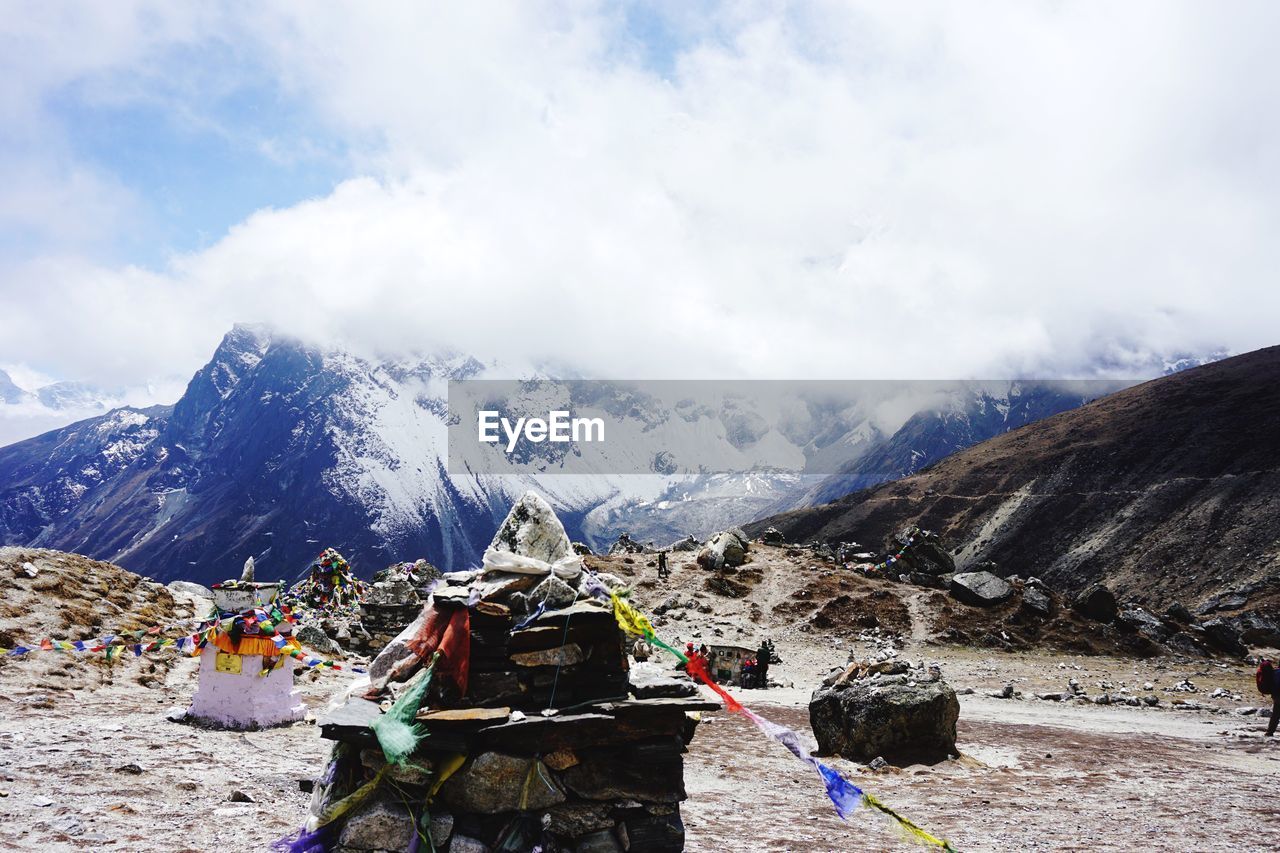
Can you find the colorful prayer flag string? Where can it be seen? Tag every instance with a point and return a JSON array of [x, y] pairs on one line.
[[844, 795]]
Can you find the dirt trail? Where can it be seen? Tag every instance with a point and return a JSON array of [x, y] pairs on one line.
[[1019, 787]]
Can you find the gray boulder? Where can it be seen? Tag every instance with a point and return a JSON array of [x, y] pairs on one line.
[[980, 589], [194, 590], [378, 826], [313, 638], [688, 543], [493, 782], [532, 529], [1222, 636], [727, 548], [865, 718], [556, 593], [1256, 629], [930, 557], [1037, 600], [1097, 603], [1144, 622]]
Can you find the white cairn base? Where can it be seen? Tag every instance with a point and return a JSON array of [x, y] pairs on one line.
[[245, 700]]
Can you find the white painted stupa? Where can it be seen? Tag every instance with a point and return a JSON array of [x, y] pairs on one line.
[[234, 691]]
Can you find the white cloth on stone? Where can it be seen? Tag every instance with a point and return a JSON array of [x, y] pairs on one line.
[[568, 567]]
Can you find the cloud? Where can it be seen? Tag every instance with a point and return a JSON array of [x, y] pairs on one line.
[[837, 191]]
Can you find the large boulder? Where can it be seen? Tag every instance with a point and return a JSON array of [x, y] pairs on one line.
[[773, 536], [980, 589], [314, 638], [193, 590], [1257, 629], [922, 551], [1097, 603], [929, 557], [1037, 600], [888, 716], [727, 548], [532, 529], [1142, 621], [1222, 636]]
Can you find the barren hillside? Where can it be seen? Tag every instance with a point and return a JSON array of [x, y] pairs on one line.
[[1166, 491]]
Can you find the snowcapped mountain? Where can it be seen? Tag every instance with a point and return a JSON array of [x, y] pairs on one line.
[[25, 413], [970, 414], [278, 449], [9, 392]]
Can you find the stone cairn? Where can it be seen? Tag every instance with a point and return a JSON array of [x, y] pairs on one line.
[[391, 602], [530, 733]]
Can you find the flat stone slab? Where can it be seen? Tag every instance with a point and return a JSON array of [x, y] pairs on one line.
[[481, 716], [621, 707], [351, 721]]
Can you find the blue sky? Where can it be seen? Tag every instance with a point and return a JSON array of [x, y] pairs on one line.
[[204, 135], [198, 158], [1028, 188]]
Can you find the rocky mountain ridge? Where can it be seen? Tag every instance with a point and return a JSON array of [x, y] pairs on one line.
[[1165, 491], [278, 449]]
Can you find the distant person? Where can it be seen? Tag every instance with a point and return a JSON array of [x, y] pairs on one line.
[[764, 656], [640, 650], [1269, 685], [663, 571], [748, 678]]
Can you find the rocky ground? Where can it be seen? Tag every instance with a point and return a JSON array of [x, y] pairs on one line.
[[88, 760]]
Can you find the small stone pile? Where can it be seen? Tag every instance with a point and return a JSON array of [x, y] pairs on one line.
[[391, 602], [534, 737]]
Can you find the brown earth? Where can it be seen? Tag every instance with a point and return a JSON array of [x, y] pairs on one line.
[[94, 765], [788, 593]]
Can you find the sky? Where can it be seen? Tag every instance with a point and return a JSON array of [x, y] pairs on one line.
[[640, 190]]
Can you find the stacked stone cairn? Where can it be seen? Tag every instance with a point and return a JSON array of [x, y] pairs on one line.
[[530, 733], [391, 602]]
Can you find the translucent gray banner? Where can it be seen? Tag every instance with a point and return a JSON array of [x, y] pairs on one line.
[[680, 428]]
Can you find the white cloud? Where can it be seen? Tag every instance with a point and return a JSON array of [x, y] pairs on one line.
[[865, 190]]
